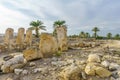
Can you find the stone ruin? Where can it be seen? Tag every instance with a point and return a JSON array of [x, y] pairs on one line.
[[28, 38], [8, 35], [20, 38], [8, 38], [48, 45], [62, 38]]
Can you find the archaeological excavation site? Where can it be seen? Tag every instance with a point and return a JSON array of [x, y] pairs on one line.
[[56, 56], [59, 39]]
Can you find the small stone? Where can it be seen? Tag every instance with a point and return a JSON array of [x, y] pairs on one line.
[[9, 79], [83, 75], [54, 63], [93, 58], [102, 72], [70, 61], [38, 70], [54, 59], [105, 63], [112, 78], [115, 75], [25, 72], [118, 73], [71, 72], [6, 58], [32, 64], [117, 79], [90, 69], [18, 71], [83, 61], [114, 66]]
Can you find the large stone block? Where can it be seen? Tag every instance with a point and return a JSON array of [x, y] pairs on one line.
[[93, 58], [17, 62], [102, 72], [62, 38], [8, 35], [20, 36], [28, 38], [70, 73], [48, 45], [31, 54]]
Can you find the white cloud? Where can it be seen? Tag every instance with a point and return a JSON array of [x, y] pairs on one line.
[[79, 14]]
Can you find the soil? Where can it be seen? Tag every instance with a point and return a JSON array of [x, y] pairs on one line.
[[51, 67]]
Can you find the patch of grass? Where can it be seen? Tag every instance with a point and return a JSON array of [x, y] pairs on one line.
[[58, 53]]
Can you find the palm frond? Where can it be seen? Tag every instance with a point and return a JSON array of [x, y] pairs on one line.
[[42, 27]]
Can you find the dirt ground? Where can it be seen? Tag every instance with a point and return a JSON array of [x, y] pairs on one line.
[[50, 67]]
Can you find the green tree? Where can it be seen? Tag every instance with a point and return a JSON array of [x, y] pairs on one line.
[[87, 35], [82, 34], [117, 36], [37, 25], [95, 30], [109, 35], [58, 23]]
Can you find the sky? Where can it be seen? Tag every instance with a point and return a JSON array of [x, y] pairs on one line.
[[80, 15]]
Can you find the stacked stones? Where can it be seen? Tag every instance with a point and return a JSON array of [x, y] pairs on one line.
[[93, 67]]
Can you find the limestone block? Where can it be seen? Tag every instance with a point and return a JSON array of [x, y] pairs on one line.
[[48, 45]]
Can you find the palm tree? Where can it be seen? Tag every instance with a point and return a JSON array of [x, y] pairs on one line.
[[95, 30], [117, 36], [87, 35], [59, 23], [37, 25], [109, 35], [82, 34]]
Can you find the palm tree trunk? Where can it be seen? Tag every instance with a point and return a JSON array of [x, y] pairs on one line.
[[37, 32], [95, 35]]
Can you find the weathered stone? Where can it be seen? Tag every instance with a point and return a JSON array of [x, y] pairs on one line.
[[8, 35], [70, 73], [84, 76], [15, 66], [13, 63], [18, 71], [28, 38], [102, 72], [42, 70], [1, 62], [8, 39], [2, 47], [93, 58], [48, 45], [105, 64], [90, 68], [31, 54], [62, 38], [114, 66], [9, 79], [25, 72], [118, 73], [20, 38], [32, 64]]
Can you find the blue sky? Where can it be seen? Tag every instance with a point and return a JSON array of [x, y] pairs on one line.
[[80, 15]]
